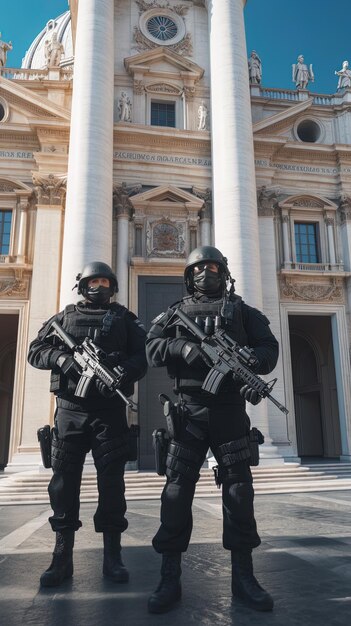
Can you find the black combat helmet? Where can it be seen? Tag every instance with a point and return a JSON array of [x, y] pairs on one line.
[[96, 269], [201, 255]]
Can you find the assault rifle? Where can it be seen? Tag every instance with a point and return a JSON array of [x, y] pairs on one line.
[[91, 362], [227, 358]]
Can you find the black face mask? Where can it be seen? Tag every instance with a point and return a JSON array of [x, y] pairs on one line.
[[208, 282], [98, 295]]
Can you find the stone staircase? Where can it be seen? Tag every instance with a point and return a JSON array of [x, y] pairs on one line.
[[30, 487]]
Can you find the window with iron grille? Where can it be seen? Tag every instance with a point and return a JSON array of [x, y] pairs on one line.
[[163, 114], [306, 242], [5, 231]]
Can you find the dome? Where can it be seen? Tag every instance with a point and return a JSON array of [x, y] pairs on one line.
[[35, 58]]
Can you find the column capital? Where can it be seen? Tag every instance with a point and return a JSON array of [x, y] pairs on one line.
[[49, 189]]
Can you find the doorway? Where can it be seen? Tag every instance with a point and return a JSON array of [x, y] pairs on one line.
[[314, 384], [156, 294], [8, 347]]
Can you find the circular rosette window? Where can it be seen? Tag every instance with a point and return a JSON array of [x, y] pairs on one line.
[[162, 26]]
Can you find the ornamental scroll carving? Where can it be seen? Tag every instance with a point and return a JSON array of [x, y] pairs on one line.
[[308, 203], [332, 291], [49, 189], [180, 9], [184, 47], [7, 186], [163, 88], [165, 238]]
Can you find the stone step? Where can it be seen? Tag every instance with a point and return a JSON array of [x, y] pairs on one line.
[[31, 486]]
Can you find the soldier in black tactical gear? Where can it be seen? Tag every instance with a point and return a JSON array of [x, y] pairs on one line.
[[97, 422], [219, 422]]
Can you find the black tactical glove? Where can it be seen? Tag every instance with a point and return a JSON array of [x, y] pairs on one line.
[[194, 356], [103, 389], [250, 395], [67, 366]]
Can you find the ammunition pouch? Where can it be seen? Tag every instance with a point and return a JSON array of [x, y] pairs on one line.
[[184, 462], [66, 456], [235, 452], [44, 435], [160, 444]]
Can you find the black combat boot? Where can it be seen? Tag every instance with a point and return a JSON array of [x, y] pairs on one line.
[[113, 567], [244, 584], [62, 564], [169, 590]]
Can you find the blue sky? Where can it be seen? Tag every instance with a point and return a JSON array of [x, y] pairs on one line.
[[279, 30]]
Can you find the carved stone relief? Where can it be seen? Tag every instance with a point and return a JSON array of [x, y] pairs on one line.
[[267, 200], [184, 46], [180, 9], [345, 209], [138, 87], [165, 238], [13, 287], [308, 203], [293, 288], [122, 205], [7, 186]]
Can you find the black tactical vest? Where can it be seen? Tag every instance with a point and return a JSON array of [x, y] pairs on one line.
[[189, 379]]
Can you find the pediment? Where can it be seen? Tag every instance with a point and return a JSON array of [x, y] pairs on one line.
[[160, 60], [165, 194], [274, 124], [27, 105], [306, 201], [12, 185]]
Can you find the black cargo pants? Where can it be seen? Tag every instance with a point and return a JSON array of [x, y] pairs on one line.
[[221, 420], [75, 434]]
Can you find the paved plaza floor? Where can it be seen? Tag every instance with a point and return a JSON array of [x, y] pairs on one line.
[[304, 561]]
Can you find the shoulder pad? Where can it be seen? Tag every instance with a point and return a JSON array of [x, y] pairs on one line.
[[70, 308], [260, 316], [135, 319], [162, 317]]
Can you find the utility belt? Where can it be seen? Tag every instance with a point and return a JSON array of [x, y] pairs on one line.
[[46, 437], [228, 454]]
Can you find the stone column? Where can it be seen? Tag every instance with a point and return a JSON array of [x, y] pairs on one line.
[[38, 402], [234, 187], [205, 215], [22, 206], [329, 221], [286, 246], [88, 219], [122, 208]]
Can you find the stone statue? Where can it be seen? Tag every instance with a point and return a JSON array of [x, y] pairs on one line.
[[301, 74], [344, 76], [4, 48], [202, 114], [255, 68], [125, 108], [53, 51]]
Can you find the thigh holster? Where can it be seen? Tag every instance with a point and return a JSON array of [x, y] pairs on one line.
[[114, 450], [66, 456], [233, 462], [183, 461]]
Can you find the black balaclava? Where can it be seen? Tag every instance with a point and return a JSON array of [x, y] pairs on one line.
[[98, 295], [208, 282]]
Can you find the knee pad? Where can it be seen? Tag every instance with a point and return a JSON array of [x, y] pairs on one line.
[[114, 450], [183, 462], [66, 456]]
